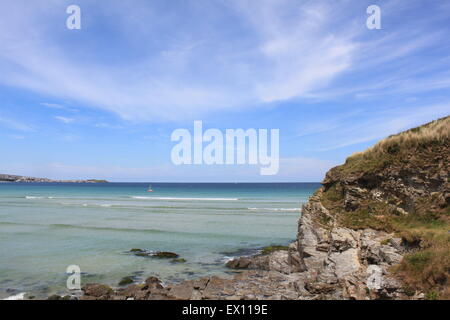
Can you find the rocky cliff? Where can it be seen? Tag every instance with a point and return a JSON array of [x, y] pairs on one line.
[[378, 228]]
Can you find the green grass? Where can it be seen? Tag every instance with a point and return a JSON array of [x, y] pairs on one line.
[[270, 249]]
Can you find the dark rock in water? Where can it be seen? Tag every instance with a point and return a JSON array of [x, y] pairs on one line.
[[240, 263], [178, 260], [142, 254], [125, 281], [139, 252], [165, 255], [97, 290], [157, 254]]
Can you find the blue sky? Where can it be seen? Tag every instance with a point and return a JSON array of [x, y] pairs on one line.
[[102, 101]]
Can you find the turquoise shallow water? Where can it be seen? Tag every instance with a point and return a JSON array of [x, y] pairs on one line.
[[46, 227]]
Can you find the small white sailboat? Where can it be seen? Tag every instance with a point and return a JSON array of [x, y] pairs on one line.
[[150, 188]]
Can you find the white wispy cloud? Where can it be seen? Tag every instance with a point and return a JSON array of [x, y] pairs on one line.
[[349, 131], [58, 106], [108, 125], [16, 125], [293, 50], [285, 50], [65, 120]]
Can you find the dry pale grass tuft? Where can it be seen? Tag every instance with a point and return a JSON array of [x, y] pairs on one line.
[[437, 131]]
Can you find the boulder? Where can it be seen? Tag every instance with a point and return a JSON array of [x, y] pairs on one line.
[[390, 255], [343, 239], [375, 279], [97, 290], [126, 281], [239, 263], [134, 290], [181, 291], [165, 255], [345, 263], [217, 288]]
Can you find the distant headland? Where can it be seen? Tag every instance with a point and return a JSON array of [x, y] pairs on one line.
[[15, 178]]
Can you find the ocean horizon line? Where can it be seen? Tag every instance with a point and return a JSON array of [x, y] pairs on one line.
[[167, 182]]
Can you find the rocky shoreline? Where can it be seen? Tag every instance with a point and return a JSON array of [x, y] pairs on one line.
[[322, 264], [336, 263]]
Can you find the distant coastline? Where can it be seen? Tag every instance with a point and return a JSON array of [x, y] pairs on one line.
[[16, 178]]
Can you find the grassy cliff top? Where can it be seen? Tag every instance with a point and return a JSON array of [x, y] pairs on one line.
[[427, 140], [435, 132]]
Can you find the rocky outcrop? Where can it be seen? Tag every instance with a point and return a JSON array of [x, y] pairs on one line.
[[283, 261], [248, 285], [334, 262], [342, 263], [405, 187]]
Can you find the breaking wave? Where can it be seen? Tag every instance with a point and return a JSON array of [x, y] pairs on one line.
[[274, 209], [184, 199]]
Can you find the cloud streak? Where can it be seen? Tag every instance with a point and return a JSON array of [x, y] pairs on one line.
[[64, 120], [15, 125], [348, 130]]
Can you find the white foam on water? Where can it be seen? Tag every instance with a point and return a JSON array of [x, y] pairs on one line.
[[36, 197], [225, 259], [19, 296], [274, 209], [183, 199]]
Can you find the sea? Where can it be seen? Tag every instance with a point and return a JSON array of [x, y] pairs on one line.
[[47, 227]]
